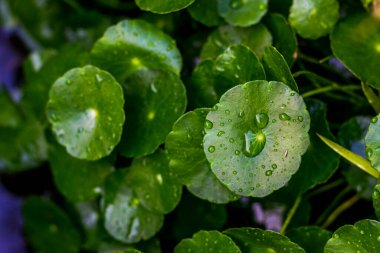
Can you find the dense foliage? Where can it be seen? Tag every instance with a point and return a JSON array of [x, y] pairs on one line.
[[186, 125]]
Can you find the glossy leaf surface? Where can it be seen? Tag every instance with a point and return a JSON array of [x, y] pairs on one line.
[[206, 12], [163, 6], [312, 239], [255, 137]]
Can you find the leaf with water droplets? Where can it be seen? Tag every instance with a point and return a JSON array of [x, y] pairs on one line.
[[207, 242], [163, 6], [48, 228], [206, 12], [242, 12], [79, 112], [188, 161], [276, 68], [155, 187], [256, 37], [311, 238], [140, 45], [364, 236], [78, 180], [355, 42], [282, 141], [125, 218], [372, 142], [258, 240], [156, 99], [314, 18]]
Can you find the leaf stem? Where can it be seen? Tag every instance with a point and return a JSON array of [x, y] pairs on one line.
[[329, 88], [291, 214], [372, 98], [326, 187], [357, 160], [340, 209]]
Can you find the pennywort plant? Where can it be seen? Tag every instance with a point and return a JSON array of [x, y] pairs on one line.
[[165, 123]]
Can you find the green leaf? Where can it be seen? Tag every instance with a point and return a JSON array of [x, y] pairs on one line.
[[372, 142], [188, 161], [284, 38], [163, 6], [48, 228], [36, 90], [355, 42], [242, 12], [155, 101], [207, 241], [351, 135], [85, 109], [314, 18], [318, 163], [257, 240], [312, 238], [276, 68], [357, 160], [132, 45], [10, 115], [125, 218], [206, 12], [78, 180], [376, 199], [154, 186], [255, 137], [257, 38], [363, 236], [236, 65]]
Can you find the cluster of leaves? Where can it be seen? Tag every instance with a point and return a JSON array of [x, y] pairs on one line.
[[201, 94]]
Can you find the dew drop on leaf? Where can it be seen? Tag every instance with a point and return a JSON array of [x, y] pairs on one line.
[[374, 120], [284, 116], [268, 173], [253, 143], [261, 120], [300, 118], [208, 124], [211, 149], [369, 152], [376, 194]]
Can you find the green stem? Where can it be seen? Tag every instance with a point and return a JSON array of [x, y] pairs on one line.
[[340, 209], [372, 98], [329, 88], [326, 187], [333, 205], [357, 160], [291, 214]]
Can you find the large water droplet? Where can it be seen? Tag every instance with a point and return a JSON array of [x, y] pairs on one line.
[[253, 143], [261, 120], [284, 116], [208, 124]]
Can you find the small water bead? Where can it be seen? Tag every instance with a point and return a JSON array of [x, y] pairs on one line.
[[262, 6], [234, 172], [221, 124], [336, 236], [268, 173], [374, 120], [274, 120], [292, 94], [220, 133], [237, 152], [375, 194], [274, 166], [378, 238], [261, 120], [369, 152], [300, 118], [214, 108], [241, 114], [68, 82], [227, 112], [208, 124], [231, 140], [284, 117], [211, 149]]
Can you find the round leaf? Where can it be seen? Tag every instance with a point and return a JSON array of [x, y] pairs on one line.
[[154, 186], [361, 237], [257, 240], [48, 228], [312, 239], [85, 109], [125, 218], [78, 180], [255, 137], [188, 161], [155, 101], [163, 6], [206, 12], [372, 142], [207, 241], [314, 18], [131, 45], [242, 12], [257, 38], [355, 42], [236, 65], [277, 69]]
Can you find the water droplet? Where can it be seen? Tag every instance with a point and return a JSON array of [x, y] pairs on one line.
[[274, 166], [362, 232], [153, 87], [150, 43], [99, 78], [284, 116], [369, 152], [220, 133], [261, 120], [234, 172], [274, 120], [292, 94], [189, 137], [378, 238], [262, 6], [374, 120], [231, 140], [236, 4], [253, 143], [53, 116], [214, 108], [375, 194], [300, 118], [241, 114], [237, 152], [336, 236], [208, 124], [227, 112], [68, 82], [211, 149], [268, 173], [221, 124]]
